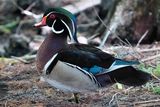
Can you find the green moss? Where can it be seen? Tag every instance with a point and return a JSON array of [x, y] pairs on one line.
[[156, 71], [145, 68], [156, 90]]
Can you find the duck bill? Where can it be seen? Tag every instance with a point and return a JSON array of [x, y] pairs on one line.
[[41, 23]]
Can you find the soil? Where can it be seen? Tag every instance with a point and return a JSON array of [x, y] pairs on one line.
[[24, 89], [20, 84]]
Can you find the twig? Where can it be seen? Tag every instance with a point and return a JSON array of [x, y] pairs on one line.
[[20, 59], [143, 36], [117, 102], [109, 29], [106, 36], [92, 37], [14, 3], [113, 97], [25, 58], [88, 24], [109, 32], [125, 91], [146, 103], [19, 27], [6, 104], [27, 12], [139, 51], [120, 39], [150, 58], [136, 53], [30, 6], [155, 76], [129, 44], [136, 48], [148, 50]]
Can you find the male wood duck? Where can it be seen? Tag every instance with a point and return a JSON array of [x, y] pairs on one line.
[[76, 67]]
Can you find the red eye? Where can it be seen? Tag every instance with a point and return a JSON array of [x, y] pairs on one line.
[[52, 16]]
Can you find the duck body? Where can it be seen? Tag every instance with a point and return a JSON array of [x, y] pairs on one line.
[[81, 68], [78, 67]]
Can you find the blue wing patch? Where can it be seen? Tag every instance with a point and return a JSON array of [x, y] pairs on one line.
[[115, 65], [121, 62], [95, 69]]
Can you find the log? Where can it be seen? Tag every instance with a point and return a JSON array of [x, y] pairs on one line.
[[73, 8], [81, 5]]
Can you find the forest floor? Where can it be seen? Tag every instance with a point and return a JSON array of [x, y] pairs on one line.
[[20, 86]]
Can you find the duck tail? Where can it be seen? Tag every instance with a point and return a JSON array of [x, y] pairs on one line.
[[123, 72], [129, 76]]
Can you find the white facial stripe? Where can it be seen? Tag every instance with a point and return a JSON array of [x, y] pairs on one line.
[[70, 33], [73, 26], [57, 32], [49, 62]]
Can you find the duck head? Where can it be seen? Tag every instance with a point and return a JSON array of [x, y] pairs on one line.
[[63, 25], [61, 22]]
